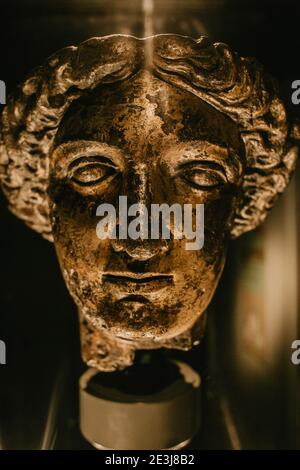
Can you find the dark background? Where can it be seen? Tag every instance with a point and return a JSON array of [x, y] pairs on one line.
[[38, 322]]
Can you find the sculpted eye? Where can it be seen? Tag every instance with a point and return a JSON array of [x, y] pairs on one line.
[[90, 171], [92, 174], [203, 177]]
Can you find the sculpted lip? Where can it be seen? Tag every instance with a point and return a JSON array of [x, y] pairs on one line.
[[138, 282], [140, 299]]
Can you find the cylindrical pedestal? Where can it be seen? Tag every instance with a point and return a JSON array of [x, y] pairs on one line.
[[139, 408]]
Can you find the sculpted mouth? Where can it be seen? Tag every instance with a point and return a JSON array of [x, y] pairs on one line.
[[147, 282], [138, 278], [140, 299]]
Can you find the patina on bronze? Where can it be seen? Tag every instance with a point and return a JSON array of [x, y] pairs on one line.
[[167, 119]]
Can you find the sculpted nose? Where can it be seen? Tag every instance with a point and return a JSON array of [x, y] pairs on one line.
[[138, 189], [140, 250]]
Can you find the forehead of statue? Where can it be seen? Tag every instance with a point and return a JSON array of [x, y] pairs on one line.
[[145, 110]]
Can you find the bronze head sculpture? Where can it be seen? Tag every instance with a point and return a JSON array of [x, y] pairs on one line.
[[165, 119]]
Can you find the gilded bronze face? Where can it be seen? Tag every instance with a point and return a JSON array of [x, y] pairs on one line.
[[157, 136], [156, 144]]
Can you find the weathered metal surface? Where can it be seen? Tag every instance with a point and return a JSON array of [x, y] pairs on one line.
[[177, 121]]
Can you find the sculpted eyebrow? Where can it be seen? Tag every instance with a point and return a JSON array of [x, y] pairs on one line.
[[91, 159], [208, 163]]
